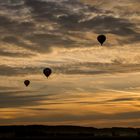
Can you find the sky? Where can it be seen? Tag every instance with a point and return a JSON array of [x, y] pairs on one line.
[[91, 85]]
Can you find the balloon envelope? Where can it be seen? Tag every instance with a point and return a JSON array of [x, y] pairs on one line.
[[47, 72], [101, 39], [26, 82]]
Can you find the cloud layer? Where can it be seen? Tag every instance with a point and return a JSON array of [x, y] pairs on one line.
[[61, 34]]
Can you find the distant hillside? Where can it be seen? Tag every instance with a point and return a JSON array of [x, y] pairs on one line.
[[43, 132]]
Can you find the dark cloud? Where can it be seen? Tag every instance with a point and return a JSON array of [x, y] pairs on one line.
[[7, 88], [15, 27], [86, 68], [12, 71], [126, 115], [110, 24], [39, 109], [43, 10], [116, 100], [16, 41], [70, 21], [102, 25], [12, 40], [6, 22], [46, 41], [15, 99], [14, 54], [89, 68], [63, 18], [102, 116], [94, 116], [122, 99], [29, 99]]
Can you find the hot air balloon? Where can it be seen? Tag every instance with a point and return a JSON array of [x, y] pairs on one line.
[[26, 82], [47, 72], [101, 39]]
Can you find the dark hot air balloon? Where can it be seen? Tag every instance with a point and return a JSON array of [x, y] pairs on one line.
[[26, 82], [47, 72], [101, 39]]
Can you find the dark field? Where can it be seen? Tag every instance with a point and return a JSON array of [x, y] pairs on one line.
[[66, 132]]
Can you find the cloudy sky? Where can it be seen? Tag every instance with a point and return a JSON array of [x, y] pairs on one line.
[[90, 85]]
